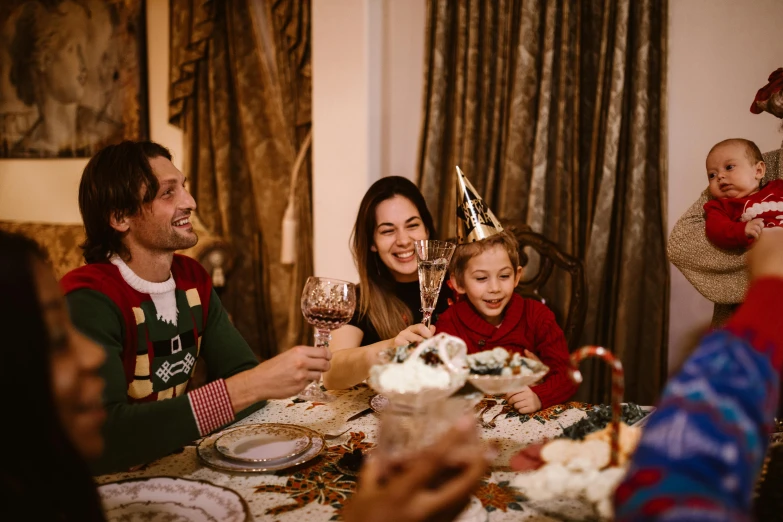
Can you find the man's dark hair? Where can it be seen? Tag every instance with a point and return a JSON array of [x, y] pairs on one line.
[[111, 186]]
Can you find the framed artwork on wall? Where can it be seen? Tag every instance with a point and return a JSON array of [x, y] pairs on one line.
[[73, 76]]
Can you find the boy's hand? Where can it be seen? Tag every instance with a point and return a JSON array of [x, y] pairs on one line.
[[754, 227], [524, 401]]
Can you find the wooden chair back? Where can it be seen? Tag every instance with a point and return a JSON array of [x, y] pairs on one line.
[[551, 257]]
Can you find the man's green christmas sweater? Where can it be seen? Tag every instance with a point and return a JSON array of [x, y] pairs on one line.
[[153, 333]]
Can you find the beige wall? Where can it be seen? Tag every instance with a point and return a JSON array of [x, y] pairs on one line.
[[346, 123], [720, 54], [158, 59], [402, 86], [47, 190], [368, 69]]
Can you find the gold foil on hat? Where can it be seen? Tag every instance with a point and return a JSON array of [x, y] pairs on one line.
[[475, 221]]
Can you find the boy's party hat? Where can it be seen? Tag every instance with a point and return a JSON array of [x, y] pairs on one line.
[[475, 221]]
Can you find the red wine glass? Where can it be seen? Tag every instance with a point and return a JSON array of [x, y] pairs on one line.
[[327, 304]]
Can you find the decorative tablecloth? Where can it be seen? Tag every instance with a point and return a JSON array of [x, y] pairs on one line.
[[316, 490]]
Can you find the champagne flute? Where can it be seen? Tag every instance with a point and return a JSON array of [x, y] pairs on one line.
[[327, 304], [433, 259]]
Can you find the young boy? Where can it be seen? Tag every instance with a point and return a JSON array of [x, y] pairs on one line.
[[491, 314], [741, 208]]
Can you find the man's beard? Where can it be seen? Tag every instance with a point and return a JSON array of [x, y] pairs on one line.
[[187, 242], [175, 241]]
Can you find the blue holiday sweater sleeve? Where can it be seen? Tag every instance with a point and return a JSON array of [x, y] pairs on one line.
[[701, 451]]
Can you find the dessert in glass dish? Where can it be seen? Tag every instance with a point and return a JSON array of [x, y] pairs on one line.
[[421, 375], [497, 371]]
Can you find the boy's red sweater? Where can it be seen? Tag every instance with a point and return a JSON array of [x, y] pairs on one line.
[[527, 324]]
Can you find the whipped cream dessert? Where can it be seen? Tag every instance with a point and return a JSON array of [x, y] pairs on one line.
[[499, 361], [437, 363], [580, 469], [414, 376], [556, 481], [435, 350]]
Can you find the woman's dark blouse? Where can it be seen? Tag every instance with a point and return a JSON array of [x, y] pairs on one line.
[[409, 294]]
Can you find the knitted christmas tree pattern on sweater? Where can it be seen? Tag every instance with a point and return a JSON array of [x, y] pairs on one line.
[[166, 353], [160, 344]]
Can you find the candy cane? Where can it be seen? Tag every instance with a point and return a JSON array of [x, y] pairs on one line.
[[618, 388]]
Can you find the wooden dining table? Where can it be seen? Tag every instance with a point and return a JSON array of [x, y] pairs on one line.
[[317, 490]]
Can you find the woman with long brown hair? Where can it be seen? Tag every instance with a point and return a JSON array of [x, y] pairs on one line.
[[392, 215]]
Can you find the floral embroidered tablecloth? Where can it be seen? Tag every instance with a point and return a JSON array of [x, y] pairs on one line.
[[316, 490]]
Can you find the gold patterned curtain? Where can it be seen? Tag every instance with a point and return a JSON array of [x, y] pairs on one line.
[[240, 90], [555, 110]]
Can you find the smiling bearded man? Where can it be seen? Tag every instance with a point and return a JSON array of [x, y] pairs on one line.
[[155, 312]]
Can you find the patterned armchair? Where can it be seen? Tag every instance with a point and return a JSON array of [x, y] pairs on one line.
[[62, 241]]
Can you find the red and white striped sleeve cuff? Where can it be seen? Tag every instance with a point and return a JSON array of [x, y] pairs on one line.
[[211, 406]]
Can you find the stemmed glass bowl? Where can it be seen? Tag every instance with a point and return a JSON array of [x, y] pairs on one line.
[[327, 304], [500, 385]]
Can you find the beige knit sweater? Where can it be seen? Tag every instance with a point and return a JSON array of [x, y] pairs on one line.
[[719, 275]]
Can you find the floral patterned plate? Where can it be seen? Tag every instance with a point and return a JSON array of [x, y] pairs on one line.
[[264, 442], [158, 499], [211, 457]]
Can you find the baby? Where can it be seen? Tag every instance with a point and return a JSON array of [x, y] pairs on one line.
[[741, 208]]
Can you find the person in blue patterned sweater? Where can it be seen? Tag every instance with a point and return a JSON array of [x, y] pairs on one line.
[[702, 450]]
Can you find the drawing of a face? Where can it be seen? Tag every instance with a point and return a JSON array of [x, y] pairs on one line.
[[61, 47], [66, 73]]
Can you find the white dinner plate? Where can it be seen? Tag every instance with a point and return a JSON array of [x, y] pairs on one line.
[[264, 442], [159, 499], [210, 456]]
